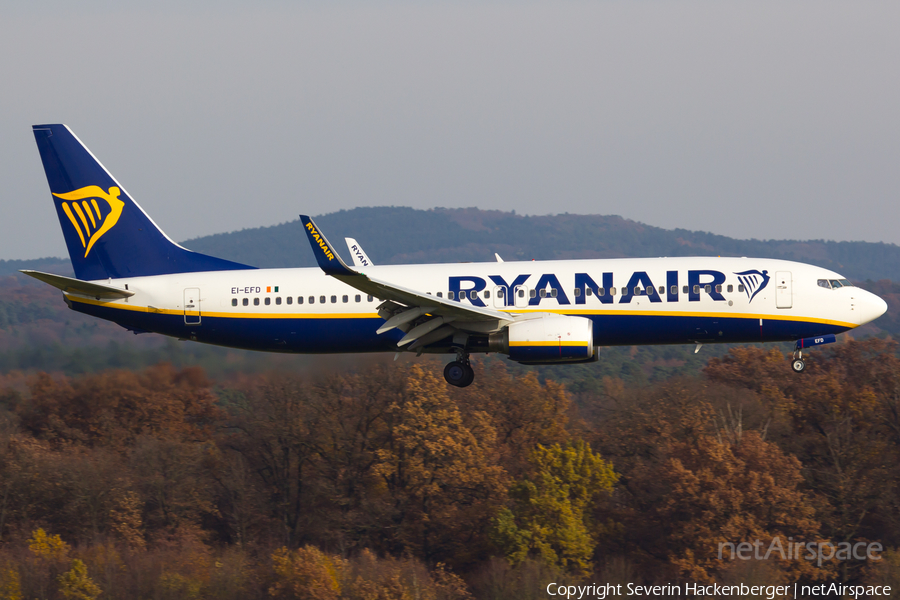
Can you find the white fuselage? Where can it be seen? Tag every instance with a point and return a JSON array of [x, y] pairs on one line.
[[630, 301]]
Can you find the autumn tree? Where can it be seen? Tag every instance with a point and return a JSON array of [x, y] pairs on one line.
[[524, 412], [269, 428], [439, 470], [549, 516], [842, 423], [696, 471], [114, 408]]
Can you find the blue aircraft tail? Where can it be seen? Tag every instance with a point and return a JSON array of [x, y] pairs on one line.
[[108, 235]]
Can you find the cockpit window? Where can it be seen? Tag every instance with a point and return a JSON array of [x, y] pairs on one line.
[[834, 283]]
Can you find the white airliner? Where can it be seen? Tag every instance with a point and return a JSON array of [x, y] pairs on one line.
[[539, 312]]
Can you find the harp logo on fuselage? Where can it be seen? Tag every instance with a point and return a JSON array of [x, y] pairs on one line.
[[90, 218], [754, 282]]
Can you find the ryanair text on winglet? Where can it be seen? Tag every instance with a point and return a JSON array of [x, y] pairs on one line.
[[322, 244]]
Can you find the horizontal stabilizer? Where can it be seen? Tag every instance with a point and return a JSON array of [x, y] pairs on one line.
[[77, 286]]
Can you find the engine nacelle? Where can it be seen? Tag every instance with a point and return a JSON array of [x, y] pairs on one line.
[[550, 338]]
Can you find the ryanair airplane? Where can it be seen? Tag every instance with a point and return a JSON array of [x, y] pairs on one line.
[[541, 312]]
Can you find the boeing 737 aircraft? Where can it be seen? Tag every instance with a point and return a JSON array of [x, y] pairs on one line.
[[541, 312]]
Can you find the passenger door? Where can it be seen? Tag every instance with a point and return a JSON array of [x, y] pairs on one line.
[[192, 306], [783, 293]]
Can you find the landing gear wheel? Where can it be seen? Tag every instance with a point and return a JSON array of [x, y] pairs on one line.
[[798, 365], [459, 374]]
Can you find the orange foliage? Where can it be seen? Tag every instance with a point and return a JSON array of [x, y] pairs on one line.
[[116, 407]]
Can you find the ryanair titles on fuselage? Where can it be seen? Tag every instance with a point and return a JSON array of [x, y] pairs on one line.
[[699, 281]]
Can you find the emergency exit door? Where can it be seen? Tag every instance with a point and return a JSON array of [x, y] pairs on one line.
[[522, 296], [192, 306], [783, 294]]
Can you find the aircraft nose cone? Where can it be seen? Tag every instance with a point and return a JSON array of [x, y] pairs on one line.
[[870, 308]]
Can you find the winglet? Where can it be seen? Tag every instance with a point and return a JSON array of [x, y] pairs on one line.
[[359, 256], [327, 257]]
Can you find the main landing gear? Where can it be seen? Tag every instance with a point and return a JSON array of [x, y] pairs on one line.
[[459, 372]]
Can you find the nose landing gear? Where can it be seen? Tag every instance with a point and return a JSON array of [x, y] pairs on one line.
[[797, 363], [459, 372]]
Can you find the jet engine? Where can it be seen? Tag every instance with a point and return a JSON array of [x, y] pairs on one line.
[[546, 339]]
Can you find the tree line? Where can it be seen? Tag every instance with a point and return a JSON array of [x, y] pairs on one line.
[[380, 482]]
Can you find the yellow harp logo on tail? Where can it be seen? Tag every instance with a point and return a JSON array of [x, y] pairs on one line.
[[86, 215]]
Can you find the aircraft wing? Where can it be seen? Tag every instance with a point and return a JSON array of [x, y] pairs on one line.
[[414, 303], [77, 286]]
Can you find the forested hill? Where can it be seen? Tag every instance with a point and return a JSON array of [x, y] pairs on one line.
[[396, 235]]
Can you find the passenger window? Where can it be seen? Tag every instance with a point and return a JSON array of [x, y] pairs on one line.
[[637, 291], [719, 289], [587, 292], [321, 299], [334, 299], [674, 290], [684, 290], [299, 299], [707, 288], [245, 302], [650, 291], [256, 302], [662, 290], [473, 294], [624, 291], [234, 301], [577, 292], [487, 294], [290, 299], [612, 291], [533, 293], [501, 293], [371, 298], [730, 288], [268, 301], [278, 300], [696, 289], [346, 299], [451, 295], [521, 293], [740, 287], [553, 292], [601, 291], [440, 294], [543, 293], [358, 298]]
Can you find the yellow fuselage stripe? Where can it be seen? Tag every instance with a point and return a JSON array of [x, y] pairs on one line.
[[372, 315], [556, 343]]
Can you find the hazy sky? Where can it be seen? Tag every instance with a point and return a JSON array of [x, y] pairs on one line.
[[750, 119]]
